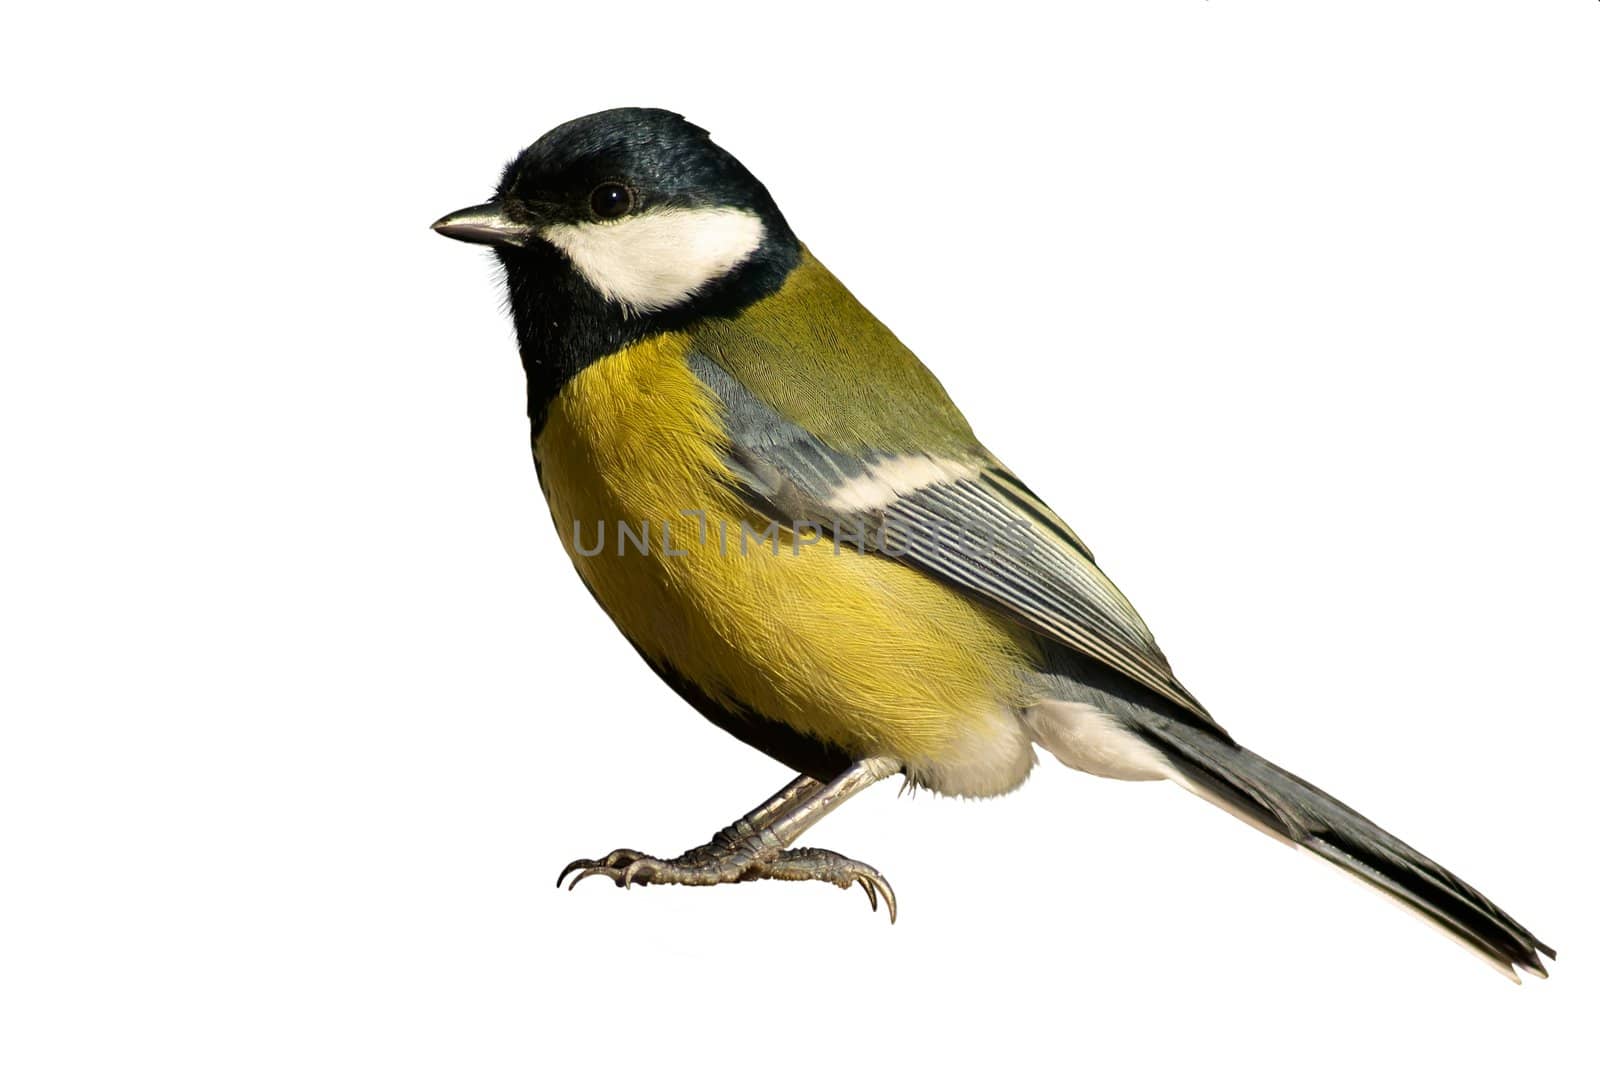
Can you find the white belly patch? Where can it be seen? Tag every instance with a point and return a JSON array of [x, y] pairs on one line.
[[1087, 739]]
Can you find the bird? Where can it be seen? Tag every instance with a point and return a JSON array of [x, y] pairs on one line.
[[784, 512]]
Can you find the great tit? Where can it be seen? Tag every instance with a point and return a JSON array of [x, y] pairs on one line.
[[782, 510]]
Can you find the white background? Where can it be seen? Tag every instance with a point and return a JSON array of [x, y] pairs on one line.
[[1290, 310]]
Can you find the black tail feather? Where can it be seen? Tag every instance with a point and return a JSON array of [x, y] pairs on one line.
[[1289, 807]]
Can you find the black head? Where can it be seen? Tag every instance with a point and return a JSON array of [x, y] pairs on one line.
[[619, 225]]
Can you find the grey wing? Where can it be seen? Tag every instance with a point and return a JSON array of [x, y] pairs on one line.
[[966, 520]]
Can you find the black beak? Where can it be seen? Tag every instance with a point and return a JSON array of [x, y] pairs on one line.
[[485, 224]]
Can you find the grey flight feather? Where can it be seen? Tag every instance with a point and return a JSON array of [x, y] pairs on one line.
[[1289, 807]]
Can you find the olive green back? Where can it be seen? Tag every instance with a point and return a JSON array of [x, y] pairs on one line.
[[826, 363]]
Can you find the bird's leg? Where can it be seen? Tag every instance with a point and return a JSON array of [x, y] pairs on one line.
[[754, 847], [750, 825]]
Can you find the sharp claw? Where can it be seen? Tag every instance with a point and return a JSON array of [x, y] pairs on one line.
[[888, 898], [630, 872], [872, 894], [614, 859], [591, 871], [569, 868]]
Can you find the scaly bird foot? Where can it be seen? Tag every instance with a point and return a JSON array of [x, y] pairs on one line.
[[721, 863], [820, 865]]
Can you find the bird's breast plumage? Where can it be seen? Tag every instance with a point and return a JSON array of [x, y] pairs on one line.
[[851, 648]]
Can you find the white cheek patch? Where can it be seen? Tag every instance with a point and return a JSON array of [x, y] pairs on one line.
[[660, 258]]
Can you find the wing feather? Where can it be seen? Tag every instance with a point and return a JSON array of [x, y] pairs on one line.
[[964, 519]]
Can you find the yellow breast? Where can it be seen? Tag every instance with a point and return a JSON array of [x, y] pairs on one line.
[[854, 649]]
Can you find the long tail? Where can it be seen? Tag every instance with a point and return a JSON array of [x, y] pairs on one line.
[[1265, 794]]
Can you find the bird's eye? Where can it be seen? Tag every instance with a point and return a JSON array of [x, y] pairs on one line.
[[611, 200]]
